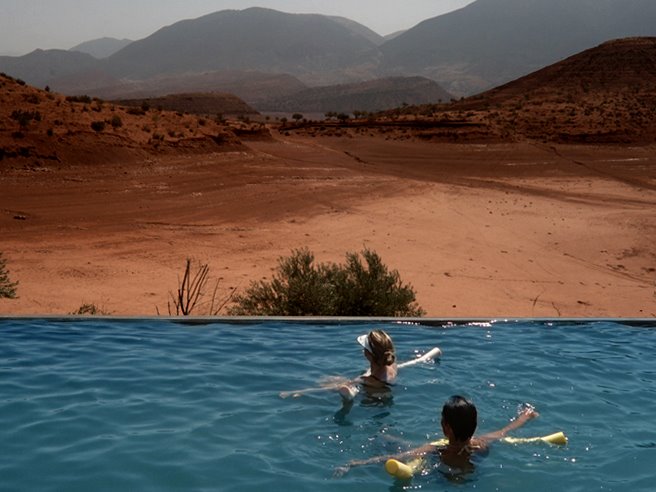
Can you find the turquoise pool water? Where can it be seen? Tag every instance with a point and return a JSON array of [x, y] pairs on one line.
[[107, 405]]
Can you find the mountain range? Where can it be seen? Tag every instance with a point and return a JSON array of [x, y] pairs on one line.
[[481, 46], [367, 96], [606, 94], [490, 42], [101, 48], [252, 39]]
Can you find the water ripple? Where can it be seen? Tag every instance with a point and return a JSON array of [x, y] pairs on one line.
[[156, 405]]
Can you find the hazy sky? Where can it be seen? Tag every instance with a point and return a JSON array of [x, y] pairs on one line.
[[29, 24]]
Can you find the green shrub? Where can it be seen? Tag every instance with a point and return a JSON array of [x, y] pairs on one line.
[[24, 117], [98, 126], [32, 99], [301, 288], [135, 111], [370, 289], [81, 99], [90, 309], [7, 287], [116, 121], [298, 289]]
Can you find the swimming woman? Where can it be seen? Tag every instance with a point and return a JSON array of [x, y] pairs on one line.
[[459, 421], [379, 351]]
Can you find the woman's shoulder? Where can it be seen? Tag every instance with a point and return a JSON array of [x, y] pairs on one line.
[[477, 445], [374, 381]]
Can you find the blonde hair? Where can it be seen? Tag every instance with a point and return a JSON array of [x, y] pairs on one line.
[[382, 348]]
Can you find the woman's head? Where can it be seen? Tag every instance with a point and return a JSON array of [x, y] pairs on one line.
[[380, 346], [461, 417]]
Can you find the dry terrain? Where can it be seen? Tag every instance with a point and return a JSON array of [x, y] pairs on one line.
[[498, 224], [479, 230]]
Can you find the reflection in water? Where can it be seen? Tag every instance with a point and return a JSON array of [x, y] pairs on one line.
[[342, 413], [435, 471], [369, 397], [455, 468]]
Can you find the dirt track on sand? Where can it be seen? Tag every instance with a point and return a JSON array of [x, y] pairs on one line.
[[504, 230]]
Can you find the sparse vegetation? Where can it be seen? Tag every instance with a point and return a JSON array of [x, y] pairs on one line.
[[25, 117], [32, 99], [97, 126], [116, 121], [190, 296], [136, 111], [80, 99], [7, 287], [302, 288], [90, 309]]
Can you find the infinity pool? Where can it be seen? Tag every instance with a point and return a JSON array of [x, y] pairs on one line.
[[155, 405]]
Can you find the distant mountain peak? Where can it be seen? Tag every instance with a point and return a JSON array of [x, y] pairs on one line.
[[102, 47], [490, 42], [371, 95], [251, 39], [482, 45]]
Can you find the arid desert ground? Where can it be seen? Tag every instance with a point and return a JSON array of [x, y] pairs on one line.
[[479, 230]]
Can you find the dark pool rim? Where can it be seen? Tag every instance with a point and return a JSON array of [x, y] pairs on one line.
[[330, 320]]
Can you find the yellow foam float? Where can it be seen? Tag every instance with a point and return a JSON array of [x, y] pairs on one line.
[[405, 471]]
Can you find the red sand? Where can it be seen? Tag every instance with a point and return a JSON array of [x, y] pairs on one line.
[[502, 230]]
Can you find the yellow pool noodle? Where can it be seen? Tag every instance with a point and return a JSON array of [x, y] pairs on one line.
[[405, 471], [556, 438]]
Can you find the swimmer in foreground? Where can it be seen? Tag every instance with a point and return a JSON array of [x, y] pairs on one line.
[[379, 351], [459, 421]]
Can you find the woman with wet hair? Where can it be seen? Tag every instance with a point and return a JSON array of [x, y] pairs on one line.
[[378, 379], [379, 350]]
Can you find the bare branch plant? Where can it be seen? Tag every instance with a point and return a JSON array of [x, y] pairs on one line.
[[191, 292]]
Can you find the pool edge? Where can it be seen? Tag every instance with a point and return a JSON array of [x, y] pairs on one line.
[[428, 321]]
